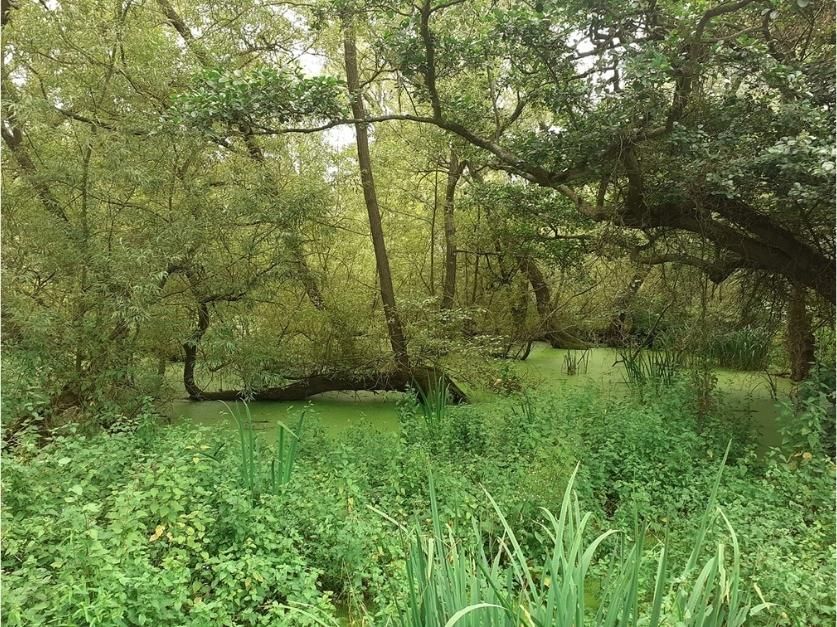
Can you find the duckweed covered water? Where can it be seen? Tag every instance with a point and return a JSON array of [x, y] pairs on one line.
[[746, 394], [335, 412]]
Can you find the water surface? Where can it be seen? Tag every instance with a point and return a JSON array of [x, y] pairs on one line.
[[746, 394]]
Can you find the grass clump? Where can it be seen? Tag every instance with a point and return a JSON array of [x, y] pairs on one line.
[[747, 348], [261, 470], [645, 367], [449, 585], [576, 362]]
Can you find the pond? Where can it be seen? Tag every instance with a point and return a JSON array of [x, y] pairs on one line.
[[336, 411], [746, 394]]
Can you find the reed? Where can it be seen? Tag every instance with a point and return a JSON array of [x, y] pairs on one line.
[[434, 403], [260, 470], [743, 349], [644, 367], [576, 362], [450, 586]]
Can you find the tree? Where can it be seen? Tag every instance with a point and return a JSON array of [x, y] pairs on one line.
[[455, 169], [652, 134], [396, 332]]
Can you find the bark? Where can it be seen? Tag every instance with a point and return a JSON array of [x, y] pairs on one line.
[[432, 288], [523, 353], [519, 312], [455, 169], [617, 331], [800, 336], [547, 310], [396, 332], [306, 277], [301, 389], [190, 353]]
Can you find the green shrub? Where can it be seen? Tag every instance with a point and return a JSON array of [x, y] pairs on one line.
[[105, 530]]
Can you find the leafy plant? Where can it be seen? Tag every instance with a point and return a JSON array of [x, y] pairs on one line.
[[256, 97]]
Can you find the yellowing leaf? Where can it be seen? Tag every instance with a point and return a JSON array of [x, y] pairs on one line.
[[158, 531]]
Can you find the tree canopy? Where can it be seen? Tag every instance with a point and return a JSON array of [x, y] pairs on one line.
[[179, 179]]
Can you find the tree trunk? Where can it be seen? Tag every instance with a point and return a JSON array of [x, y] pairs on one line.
[[800, 336], [306, 277], [301, 389], [190, 353], [432, 289], [549, 325], [519, 311], [617, 331], [454, 172], [396, 332]]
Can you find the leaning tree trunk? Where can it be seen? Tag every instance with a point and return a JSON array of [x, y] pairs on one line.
[[800, 337], [302, 388], [455, 168], [617, 330], [397, 338], [306, 387], [549, 325]]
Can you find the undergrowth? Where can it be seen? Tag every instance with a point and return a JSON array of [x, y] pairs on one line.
[[160, 526]]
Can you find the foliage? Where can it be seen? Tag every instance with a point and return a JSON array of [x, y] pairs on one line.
[[646, 367], [256, 99], [125, 535], [166, 511], [807, 420], [433, 403], [213, 205], [158, 208], [257, 475], [449, 586]]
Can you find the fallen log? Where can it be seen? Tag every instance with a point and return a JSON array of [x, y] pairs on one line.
[[398, 380], [302, 389]]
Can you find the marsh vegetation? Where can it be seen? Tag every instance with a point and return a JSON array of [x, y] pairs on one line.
[[446, 313]]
